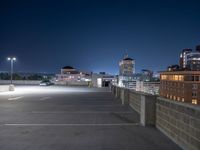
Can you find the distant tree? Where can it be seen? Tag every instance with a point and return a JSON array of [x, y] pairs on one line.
[[16, 77], [4, 76], [35, 77]]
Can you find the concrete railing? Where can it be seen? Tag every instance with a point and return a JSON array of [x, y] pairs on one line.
[[21, 82], [72, 83], [179, 121], [142, 103], [5, 88]]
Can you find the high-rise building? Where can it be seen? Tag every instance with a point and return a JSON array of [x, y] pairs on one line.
[[182, 60], [193, 61], [126, 66], [126, 71], [190, 60]]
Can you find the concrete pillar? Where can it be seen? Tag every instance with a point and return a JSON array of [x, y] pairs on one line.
[[148, 110], [11, 87]]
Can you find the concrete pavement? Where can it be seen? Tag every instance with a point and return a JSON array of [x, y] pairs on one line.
[[72, 118]]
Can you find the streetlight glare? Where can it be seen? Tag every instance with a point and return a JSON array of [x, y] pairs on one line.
[[8, 58], [14, 58]]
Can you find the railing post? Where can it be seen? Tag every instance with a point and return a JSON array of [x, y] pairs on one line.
[[148, 110]]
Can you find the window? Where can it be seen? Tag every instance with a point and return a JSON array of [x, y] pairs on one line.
[[174, 97], [180, 78], [192, 78], [163, 77], [194, 93], [176, 77], [194, 86], [194, 101], [196, 78], [178, 98], [183, 100]]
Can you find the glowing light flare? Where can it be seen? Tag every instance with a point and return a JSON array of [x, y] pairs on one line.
[[34, 90]]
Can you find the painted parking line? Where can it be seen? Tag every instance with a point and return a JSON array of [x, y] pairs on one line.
[[87, 124], [15, 98], [44, 98]]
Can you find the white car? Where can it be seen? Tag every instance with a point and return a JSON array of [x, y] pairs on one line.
[[45, 83]]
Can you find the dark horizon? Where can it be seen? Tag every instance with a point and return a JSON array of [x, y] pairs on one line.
[[94, 35]]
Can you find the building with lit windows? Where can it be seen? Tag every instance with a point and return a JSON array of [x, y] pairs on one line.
[[126, 71], [126, 66], [190, 60], [182, 60], [182, 86], [71, 76]]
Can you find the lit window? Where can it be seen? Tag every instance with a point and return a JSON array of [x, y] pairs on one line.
[[174, 97], [176, 77], [163, 77], [194, 101], [180, 77], [183, 100], [178, 98]]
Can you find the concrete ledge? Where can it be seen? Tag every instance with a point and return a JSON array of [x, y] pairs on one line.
[[5, 88], [143, 103], [180, 122]]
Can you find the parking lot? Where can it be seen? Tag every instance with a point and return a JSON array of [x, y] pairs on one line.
[[72, 118]]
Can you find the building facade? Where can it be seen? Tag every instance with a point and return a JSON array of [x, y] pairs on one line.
[[71, 76], [126, 66], [193, 61], [190, 60], [183, 86], [126, 71], [182, 60], [102, 79]]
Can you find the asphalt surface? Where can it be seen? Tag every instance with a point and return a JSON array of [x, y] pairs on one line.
[[72, 118]]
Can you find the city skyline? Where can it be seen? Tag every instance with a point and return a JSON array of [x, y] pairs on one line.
[[94, 36]]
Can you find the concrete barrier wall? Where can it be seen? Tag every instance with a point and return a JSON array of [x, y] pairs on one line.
[[72, 83], [21, 82], [180, 122], [135, 101], [4, 88], [140, 102]]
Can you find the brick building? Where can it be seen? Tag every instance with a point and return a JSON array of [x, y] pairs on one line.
[[183, 86]]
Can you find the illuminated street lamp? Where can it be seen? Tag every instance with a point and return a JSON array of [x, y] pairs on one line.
[[11, 59]]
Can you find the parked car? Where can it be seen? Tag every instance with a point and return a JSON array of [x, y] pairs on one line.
[[46, 83]]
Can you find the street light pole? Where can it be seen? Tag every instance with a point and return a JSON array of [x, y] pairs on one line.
[[11, 59]]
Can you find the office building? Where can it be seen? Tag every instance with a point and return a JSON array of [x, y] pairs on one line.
[[182, 59], [190, 60], [126, 66], [183, 86], [71, 76]]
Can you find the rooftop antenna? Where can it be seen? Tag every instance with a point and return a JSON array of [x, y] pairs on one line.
[[126, 53]]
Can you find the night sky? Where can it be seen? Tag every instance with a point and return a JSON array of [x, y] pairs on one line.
[[94, 35]]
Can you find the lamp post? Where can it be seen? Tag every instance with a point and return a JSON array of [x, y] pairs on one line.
[[11, 59]]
